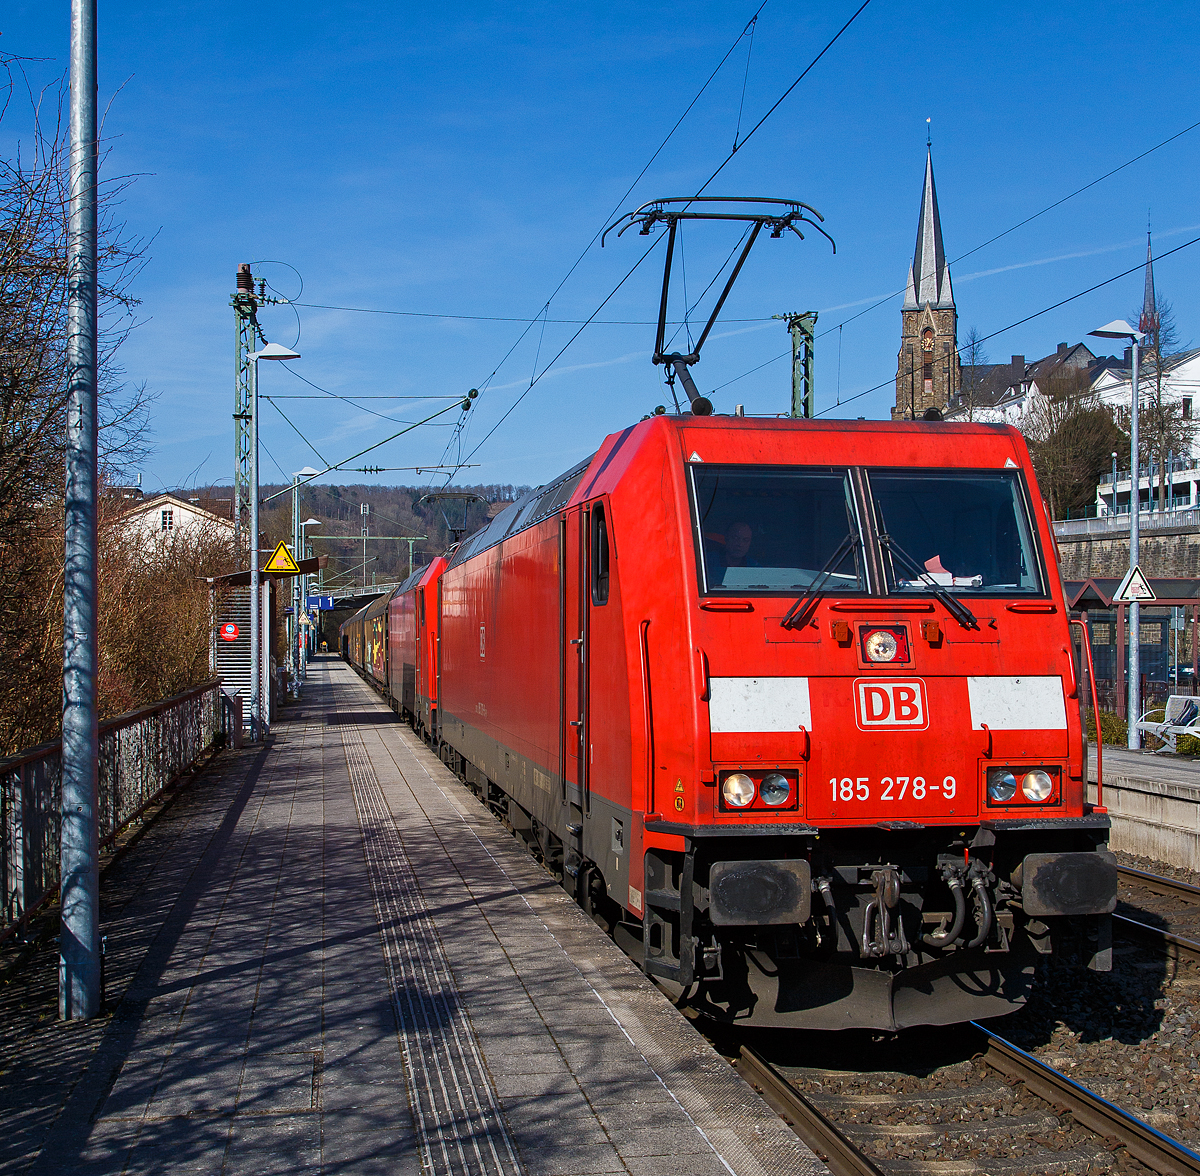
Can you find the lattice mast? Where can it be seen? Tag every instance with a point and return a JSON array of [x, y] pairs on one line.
[[246, 340]]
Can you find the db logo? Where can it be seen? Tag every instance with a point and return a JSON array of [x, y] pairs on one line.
[[882, 703], [229, 631]]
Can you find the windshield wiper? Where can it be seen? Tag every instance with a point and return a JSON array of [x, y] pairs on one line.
[[802, 611], [955, 607]]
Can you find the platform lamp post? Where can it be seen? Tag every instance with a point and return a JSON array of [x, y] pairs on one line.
[[304, 637], [79, 983], [1119, 329], [270, 351], [297, 580]]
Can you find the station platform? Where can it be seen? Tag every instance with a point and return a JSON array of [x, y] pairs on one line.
[[1154, 802], [330, 958]]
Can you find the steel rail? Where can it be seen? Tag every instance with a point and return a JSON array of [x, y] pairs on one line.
[[1157, 1151], [1170, 887], [821, 1134], [1175, 946]]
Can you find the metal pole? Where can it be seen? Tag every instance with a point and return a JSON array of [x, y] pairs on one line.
[[294, 626], [1135, 609], [304, 605], [256, 621], [801, 327], [79, 992]]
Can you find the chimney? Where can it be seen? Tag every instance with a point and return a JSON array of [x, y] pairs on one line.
[[1018, 370], [1063, 348], [1129, 357]]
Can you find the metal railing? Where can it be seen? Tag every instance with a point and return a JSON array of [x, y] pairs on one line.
[[1148, 521], [141, 753]]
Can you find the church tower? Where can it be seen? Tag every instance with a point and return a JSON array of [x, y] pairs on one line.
[[927, 369]]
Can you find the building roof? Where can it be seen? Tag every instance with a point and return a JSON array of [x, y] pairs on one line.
[[991, 385], [1097, 593], [171, 501], [929, 275]]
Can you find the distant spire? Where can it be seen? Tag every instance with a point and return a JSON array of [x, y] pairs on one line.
[[929, 275], [1148, 322]]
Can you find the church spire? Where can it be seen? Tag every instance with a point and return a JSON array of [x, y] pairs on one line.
[[1148, 322], [928, 373], [929, 275]]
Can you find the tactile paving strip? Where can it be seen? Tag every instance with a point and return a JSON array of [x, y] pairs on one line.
[[454, 1106]]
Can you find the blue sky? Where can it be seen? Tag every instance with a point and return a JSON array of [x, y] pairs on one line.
[[456, 160]]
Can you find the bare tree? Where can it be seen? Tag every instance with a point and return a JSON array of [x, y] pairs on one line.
[[1070, 434], [34, 207], [1162, 427], [973, 361]]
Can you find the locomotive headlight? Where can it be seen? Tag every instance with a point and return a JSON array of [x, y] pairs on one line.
[[1037, 784], [881, 646], [1002, 785], [738, 790], [775, 789]]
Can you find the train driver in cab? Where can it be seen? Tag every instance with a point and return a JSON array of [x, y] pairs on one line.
[[733, 553]]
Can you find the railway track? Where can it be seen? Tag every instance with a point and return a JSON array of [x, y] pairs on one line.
[[845, 1127], [1164, 938], [955, 1102]]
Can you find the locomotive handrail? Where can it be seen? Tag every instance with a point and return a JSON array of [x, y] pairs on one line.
[[1086, 646], [647, 715]]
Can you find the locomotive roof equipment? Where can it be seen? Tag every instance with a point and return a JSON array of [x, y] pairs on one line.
[[783, 219]]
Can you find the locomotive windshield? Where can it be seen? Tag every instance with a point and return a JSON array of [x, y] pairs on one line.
[[773, 530], [967, 532]]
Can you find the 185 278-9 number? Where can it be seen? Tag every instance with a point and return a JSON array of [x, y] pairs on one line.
[[849, 788]]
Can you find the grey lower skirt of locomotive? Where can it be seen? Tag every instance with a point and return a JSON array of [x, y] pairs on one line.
[[877, 928]]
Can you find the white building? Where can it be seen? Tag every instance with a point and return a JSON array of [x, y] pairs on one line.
[[164, 517]]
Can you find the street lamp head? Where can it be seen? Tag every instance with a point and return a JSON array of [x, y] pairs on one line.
[[307, 472], [1117, 329], [311, 523], [275, 351]]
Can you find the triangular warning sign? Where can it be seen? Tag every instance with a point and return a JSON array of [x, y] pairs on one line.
[[695, 456], [1135, 587], [281, 560]]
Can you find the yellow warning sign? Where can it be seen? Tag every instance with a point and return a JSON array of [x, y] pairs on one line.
[[281, 560]]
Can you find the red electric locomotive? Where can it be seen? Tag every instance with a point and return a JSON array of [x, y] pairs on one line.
[[412, 647], [792, 709]]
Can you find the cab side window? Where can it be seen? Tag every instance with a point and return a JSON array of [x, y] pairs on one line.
[[599, 555]]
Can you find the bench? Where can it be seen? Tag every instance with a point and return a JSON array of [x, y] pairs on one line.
[[1181, 716]]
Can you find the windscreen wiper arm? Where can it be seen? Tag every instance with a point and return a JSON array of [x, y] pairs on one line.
[[955, 607], [802, 611]]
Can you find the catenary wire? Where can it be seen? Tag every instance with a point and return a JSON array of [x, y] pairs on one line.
[[596, 236], [780, 100], [568, 343], [292, 426], [361, 452], [1029, 317], [737, 147], [1021, 223], [360, 407], [493, 318]]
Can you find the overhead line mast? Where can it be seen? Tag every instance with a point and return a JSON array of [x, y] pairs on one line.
[[248, 337]]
